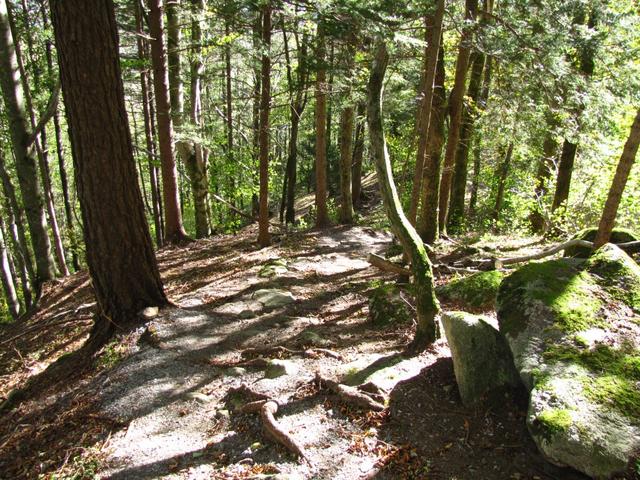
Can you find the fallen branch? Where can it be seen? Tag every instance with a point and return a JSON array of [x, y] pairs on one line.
[[497, 263], [267, 408], [387, 266], [234, 209], [630, 247], [350, 394], [279, 350]]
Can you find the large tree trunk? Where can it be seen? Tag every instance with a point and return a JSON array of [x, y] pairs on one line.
[[459, 185], [358, 156], [617, 186], [426, 302], [565, 171], [120, 256], [174, 229], [322, 215], [433, 26], [24, 151], [347, 116], [264, 237], [428, 220], [455, 109]]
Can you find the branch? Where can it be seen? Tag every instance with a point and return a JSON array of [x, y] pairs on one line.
[[387, 266], [52, 105]]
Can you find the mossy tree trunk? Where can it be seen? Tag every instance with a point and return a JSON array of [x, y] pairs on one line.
[[426, 303], [619, 182]]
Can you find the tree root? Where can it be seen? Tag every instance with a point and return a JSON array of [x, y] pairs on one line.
[[267, 408], [277, 352], [350, 394]]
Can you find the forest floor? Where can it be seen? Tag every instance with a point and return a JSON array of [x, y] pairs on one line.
[[160, 402]]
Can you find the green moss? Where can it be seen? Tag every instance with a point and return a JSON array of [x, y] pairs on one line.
[[386, 305], [616, 392], [618, 273], [555, 420], [478, 290], [559, 285]]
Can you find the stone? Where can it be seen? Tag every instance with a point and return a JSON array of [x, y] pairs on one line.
[[199, 397], [273, 297], [476, 291], [482, 361], [273, 268], [618, 235], [235, 371], [386, 306], [278, 368], [573, 329], [313, 339], [149, 313]]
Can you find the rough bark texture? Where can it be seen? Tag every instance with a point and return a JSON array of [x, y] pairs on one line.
[[8, 285], [322, 216], [503, 173], [346, 152], [619, 182], [455, 109], [358, 156], [174, 230], [120, 256], [24, 151], [428, 221], [433, 25], [565, 171], [426, 303], [264, 237]]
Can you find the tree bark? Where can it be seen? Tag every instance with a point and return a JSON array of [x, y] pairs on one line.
[[322, 215], [347, 117], [503, 173], [358, 155], [24, 151], [428, 220], [433, 22], [174, 229], [8, 285], [264, 237], [565, 171], [543, 174], [455, 108], [619, 182], [120, 256], [426, 302]]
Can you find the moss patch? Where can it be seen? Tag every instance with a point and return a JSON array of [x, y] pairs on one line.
[[618, 273], [554, 420], [478, 290], [559, 285], [386, 305], [618, 235]]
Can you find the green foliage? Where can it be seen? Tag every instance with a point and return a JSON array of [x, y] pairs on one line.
[[478, 290], [555, 420]]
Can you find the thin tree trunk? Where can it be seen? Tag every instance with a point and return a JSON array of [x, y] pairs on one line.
[[426, 302], [264, 237], [617, 186], [347, 118], [120, 256], [174, 229], [8, 284], [358, 155], [322, 215], [503, 174], [433, 26], [455, 108], [565, 171], [428, 220], [24, 151], [543, 174]]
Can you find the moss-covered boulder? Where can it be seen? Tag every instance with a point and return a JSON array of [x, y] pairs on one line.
[[618, 235], [482, 361], [387, 305], [572, 327], [273, 268], [477, 291]]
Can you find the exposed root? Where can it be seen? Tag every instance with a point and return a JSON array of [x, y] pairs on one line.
[[350, 394], [277, 352]]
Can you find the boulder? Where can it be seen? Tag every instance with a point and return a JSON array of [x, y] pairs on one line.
[[618, 235], [572, 326], [387, 306], [482, 360], [273, 268], [476, 291], [273, 297], [278, 368]]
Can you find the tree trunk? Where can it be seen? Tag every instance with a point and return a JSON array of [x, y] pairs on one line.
[[174, 230], [543, 174], [8, 285], [617, 186], [455, 109], [264, 237], [24, 151], [322, 215], [428, 221], [565, 171], [346, 152], [459, 184], [433, 26], [503, 173], [426, 302], [120, 256], [358, 155]]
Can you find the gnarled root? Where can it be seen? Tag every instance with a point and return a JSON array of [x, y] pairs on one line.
[[350, 394]]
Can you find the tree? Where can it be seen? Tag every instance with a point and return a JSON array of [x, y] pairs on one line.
[[174, 230], [426, 303], [120, 256], [24, 151], [322, 216], [619, 182], [264, 237], [347, 119]]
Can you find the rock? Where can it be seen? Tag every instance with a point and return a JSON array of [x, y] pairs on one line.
[[273, 297], [313, 339], [199, 397], [273, 268], [618, 235], [482, 360], [477, 291], [278, 368], [149, 313], [386, 306], [574, 333], [235, 371]]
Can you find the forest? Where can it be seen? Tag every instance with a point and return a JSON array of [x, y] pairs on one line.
[[282, 239]]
